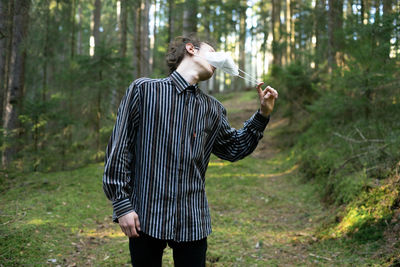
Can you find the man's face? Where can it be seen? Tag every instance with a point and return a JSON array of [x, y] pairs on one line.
[[207, 70]]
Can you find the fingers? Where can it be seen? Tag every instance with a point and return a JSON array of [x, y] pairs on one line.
[[259, 88], [272, 91], [137, 223], [130, 224], [129, 230]]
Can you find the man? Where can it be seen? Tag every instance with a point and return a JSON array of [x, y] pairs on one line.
[[157, 156]]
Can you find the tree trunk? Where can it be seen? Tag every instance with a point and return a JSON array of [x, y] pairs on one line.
[[331, 39], [276, 33], [171, 20], [73, 26], [79, 29], [46, 52], [3, 50], [123, 27], [319, 17], [16, 78], [96, 24], [288, 21], [388, 27], [157, 17], [145, 40], [136, 39], [190, 17], [292, 31], [242, 42]]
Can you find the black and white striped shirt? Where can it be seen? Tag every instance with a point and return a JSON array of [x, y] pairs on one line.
[[158, 153]]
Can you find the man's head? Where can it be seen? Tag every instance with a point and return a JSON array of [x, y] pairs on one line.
[[190, 48]]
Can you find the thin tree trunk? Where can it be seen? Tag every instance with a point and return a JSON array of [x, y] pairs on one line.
[[319, 15], [276, 32], [16, 78], [138, 40], [145, 45], [335, 41], [73, 13], [288, 22], [122, 26], [388, 25], [153, 51], [242, 42], [3, 50], [292, 31], [190, 17], [79, 28], [331, 36], [96, 24], [135, 11], [46, 52], [171, 20]]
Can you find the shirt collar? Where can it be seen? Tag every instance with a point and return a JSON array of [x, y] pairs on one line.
[[181, 84]]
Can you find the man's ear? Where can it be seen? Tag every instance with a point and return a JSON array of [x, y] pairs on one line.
[[190, 48]]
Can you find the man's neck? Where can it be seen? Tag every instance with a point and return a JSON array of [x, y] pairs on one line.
[[188, 72]]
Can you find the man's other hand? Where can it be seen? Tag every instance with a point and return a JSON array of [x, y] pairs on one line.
[[130, 224], [267, 99]]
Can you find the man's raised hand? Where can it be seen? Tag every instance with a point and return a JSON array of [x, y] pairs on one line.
[[267, 99]]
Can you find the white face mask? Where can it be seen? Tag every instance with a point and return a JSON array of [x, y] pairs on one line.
[[224, 61]]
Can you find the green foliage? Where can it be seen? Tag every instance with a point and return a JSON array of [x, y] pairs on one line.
[[367, 217]]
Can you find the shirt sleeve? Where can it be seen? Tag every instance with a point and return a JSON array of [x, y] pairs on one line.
[[118, 157], [232, 144]]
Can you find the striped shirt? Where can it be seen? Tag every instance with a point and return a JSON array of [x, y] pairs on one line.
[[157, 155]]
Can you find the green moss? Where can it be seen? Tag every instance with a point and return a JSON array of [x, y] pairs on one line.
[[367, 217]]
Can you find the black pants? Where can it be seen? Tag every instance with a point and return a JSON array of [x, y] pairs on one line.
[[147, 251]]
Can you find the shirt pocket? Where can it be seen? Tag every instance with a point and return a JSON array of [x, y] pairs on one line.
[[199, 140]]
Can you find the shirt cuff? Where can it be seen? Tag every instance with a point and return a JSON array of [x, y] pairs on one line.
[[121, 207], [259, 122]]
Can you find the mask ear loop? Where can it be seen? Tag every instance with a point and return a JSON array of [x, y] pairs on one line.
[[250, 79]]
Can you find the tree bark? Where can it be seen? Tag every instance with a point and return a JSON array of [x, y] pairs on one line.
[[16, 78], [276, 32], [242, 41], [73, 26], [288, 21], [145, 40], [335, 25], [46, 51], [171, 19], [96, 24], [123, 27], [79, 41], [388, 25], [319, 19], [190, 17], [3, 50], [136, 39]]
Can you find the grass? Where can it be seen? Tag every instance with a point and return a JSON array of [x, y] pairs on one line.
[[263, 214]]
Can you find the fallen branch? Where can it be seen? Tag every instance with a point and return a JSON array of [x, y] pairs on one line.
[[355, 157], [360, 133], [320, 257], [358, 141]]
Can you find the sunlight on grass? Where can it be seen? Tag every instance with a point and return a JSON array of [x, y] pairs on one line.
[[248, 175], [225, 163], [37, 222], [109, 232]]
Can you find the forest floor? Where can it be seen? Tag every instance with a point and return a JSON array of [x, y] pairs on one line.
[[262, 213]]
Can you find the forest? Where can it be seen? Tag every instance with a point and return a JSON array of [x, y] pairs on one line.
[[334, 134]]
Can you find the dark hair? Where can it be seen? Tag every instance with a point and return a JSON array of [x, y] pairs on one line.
[[177, 50]]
